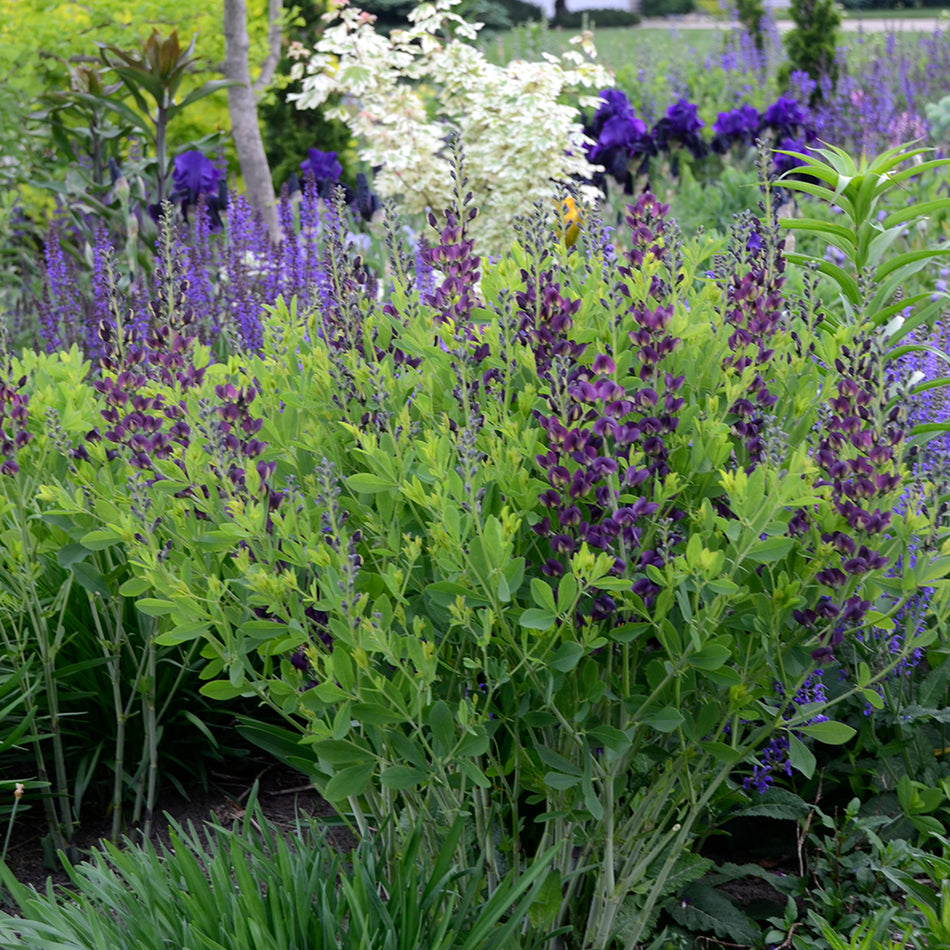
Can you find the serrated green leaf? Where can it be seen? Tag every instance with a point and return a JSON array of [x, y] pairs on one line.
[[705, 910], [777, 803]]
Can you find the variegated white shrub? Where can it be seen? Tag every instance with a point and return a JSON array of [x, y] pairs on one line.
[[403, 95]]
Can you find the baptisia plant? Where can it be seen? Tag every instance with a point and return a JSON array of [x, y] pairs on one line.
[[405, 93], [561, 558]]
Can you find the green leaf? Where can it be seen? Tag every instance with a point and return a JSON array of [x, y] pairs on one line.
[[474, 774], [442, 723], [399, 777], [221, 689], [831, 732], [348, 782], [342, 752], [100, 539], [770, 550], [134, 587], [542, 595], [723, 585], [69, 554], [560, 781], [557, 761], [777, 803], [666, 719], [547, 903], [721, 752], [154, 607], [535, 619], [566, 593], [365, 483], [207, 89], [568, 655], [608, 737], [706, 910], [710, 657], [183, 633], [445, 593], [89, 579]]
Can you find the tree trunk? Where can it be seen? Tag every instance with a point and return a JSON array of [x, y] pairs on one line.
[[242, 105], [274, 31]]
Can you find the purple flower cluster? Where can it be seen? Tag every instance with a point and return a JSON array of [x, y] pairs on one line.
[[455, 257], [774, 757], [859, 453], [14, 415], [605, 438], [218, 284], [754, 306], [146, 428], [880, 104], [738, 127], [623, 145], [323, 168]]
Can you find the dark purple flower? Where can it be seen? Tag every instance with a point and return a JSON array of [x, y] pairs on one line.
[[738, 126], [684, 118], [787, 116], [365, 203], [680, 126], [324, 167], [619, 136], [195, 173], [195, 179]]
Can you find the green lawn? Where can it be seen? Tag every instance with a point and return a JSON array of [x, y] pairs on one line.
[[910, 13], [614, 45]]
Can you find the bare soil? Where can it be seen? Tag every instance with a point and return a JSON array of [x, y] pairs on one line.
[[283, 794]]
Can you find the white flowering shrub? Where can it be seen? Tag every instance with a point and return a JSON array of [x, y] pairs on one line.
[[404, 95]]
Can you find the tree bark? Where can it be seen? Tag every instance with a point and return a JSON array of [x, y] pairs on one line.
[[274, 31], [242, 106]]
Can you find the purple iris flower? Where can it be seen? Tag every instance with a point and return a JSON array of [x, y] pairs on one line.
[[786, 116], [619, 135], [681, 124], [195, 172], [325, 168], [684, 118], [195, 177], [738, 126]]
